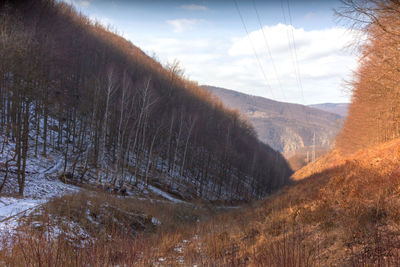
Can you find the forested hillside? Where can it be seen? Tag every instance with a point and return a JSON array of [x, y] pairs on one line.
[[285, 127], [80, 101], [69, 84], [374, 115]]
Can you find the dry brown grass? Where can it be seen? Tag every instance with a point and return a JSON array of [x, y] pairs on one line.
[[120, 232], [345, 213], [341, 211], [299, 159]]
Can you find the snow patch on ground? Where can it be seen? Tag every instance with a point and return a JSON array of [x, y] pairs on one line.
[[10, 206], [164, 194], [41, 185], [155, 221]]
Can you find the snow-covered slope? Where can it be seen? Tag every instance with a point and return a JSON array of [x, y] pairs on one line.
[[41, 184]]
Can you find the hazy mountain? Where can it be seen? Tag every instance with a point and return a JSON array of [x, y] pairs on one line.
[[285, 127], [337, 108]]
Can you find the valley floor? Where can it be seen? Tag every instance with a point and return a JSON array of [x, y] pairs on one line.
[[339, 211]]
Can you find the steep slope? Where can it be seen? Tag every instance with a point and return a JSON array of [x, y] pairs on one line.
[[69, 84], [374, 115], [340, 109], [285, 127], [342, 211]]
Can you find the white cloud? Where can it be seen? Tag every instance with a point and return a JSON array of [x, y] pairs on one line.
[[194, 7], [321, 56], [181, 25], [323, 62], [308, 43]]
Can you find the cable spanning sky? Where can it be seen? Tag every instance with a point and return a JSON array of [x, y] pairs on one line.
[[286, 50]]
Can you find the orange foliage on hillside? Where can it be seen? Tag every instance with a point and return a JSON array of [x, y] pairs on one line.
[[374, 115]]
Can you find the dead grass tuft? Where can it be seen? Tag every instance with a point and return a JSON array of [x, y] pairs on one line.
[[345, 212]]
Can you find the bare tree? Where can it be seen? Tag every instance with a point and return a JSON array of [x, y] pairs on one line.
[[191, 124], [110, 89]]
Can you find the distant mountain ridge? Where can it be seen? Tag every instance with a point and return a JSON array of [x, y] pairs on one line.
[[285, 127], [336, 108]]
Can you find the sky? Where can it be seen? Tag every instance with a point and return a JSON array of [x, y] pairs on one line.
[[286, 50]]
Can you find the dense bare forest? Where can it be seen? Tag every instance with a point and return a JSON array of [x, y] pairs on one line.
[[375, 110], [69, 84], [72, 89]]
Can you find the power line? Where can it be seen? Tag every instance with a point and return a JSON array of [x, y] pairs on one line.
[[271, 58], [295, 53], [297, 66], [254, 50], [269, 50], [290, 44]]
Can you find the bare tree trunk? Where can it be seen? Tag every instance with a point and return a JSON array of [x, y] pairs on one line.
[[150, 154], [109, 91], [125, 87], [177, 144], [6, 165], [24, 148], [192, 123]]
